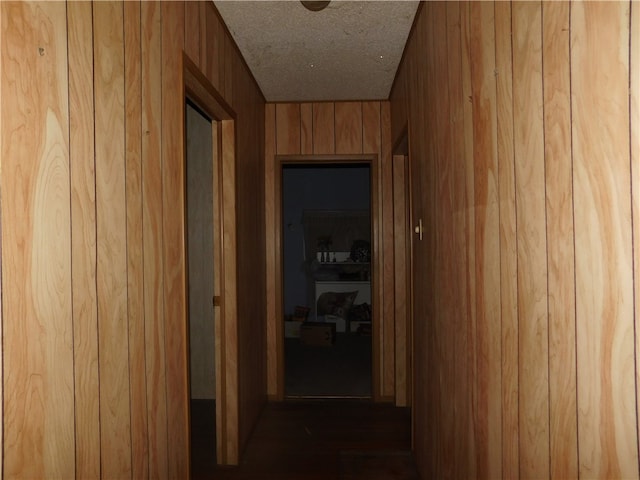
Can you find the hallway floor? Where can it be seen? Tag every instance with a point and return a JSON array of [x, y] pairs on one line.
[[321, 439]]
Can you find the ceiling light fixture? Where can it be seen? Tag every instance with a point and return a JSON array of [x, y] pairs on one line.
[[315, 6]]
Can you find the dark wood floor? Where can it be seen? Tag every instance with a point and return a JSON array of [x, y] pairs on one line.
[[323, 439]]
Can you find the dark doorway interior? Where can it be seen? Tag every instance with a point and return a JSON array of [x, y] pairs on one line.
[[200, 238], [326, 218]]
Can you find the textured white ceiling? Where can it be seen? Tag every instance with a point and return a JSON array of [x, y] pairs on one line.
[[348, 51]]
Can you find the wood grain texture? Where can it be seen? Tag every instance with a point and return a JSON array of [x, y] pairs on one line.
[[229, 61], [469, 463], [287, 128], [444, 290], [192, 35], [174, 261], [37, 329], [100, 265], [250, 241], [604, 293], [461, 388], [371, 128], [348, 127], [532, 249], [547, 393], [635, 158], [1, 317], [324, 141], [306, 128], [135, 245], [415, 76], [508, 241], [388, 386], [211, 64], [401, 234], [83, 220], [273, 378], [152, 213], [230, 301], [482, 53], [563, 430], [111, 240]]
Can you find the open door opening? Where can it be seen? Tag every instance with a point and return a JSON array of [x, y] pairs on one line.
[[200, 228], [211, 252], [327, 296]]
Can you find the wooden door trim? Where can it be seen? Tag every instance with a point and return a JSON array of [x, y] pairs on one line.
[[203, 94], [376, 271]]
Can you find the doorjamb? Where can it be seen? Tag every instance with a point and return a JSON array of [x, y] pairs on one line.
[[201, 92]]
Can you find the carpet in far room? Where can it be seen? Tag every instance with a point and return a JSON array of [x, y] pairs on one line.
[[340, 370]]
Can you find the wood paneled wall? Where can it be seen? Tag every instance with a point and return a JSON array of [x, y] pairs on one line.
[[93, 258], [330, 128], [524, 143]]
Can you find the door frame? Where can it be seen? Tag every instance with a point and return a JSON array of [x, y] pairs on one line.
[[203, 94], [372, 160], [403, 166]]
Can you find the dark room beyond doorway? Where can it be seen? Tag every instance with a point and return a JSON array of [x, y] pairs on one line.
[[326, 252]]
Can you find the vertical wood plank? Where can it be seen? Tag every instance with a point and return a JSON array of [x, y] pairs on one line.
[[135, 263], [83, 235], [230, 305], [214, 48], [1, 310], [416, 77], [152, 213], [635, 164], [37, 327], [192, 22], [348, 127], [532, 249], [602, 218], [306, 128], [229, 61], [563, 427], [113, 341], [202, 20], [371, 127], [324, 128], [288, 128], [401, 229], [460, 362], [173, 203], [470, 329], [269, 217], [387, 241], [508, 243], [430, 286], [489, 405], [442, 340]]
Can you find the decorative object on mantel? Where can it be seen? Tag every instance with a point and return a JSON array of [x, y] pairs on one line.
[[315, 6], [324, 245], [361, 251]]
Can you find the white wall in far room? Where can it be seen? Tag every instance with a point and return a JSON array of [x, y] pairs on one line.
[[200, 253]]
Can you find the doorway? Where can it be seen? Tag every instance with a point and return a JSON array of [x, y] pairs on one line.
[[200, 147], [220, 123], [326, 281]]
